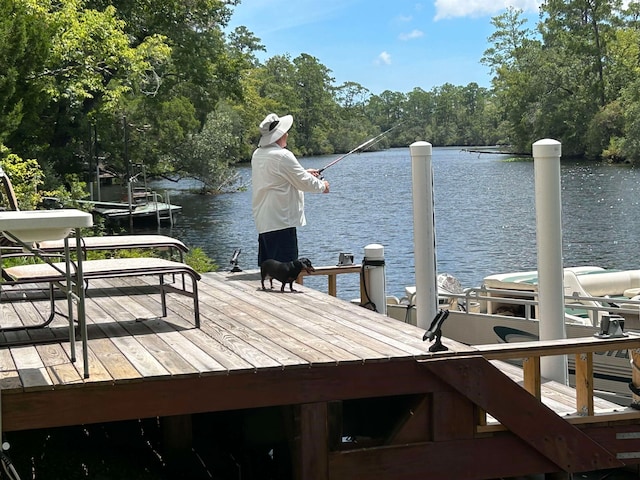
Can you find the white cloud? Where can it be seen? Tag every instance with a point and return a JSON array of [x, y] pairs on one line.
[[383, 59], [477, 8], [411, 35]]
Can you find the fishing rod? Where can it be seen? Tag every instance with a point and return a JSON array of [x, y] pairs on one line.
[[368, 143]]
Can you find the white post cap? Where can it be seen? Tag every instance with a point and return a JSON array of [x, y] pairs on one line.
[[547, 147], [421, 148], [374, 251]]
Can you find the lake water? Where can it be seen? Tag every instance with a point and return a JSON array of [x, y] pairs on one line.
[[484, 211]]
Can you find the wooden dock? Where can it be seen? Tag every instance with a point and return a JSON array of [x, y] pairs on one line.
[[362, 395]]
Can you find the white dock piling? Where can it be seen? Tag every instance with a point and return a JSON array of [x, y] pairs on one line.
[[546, 155], [424, 234]]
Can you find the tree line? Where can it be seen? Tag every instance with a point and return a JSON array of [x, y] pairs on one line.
[[115, 83]]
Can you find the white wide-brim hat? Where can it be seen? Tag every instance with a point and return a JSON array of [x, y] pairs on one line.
[[272, 128]]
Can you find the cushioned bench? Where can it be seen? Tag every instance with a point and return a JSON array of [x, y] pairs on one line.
[[53, 274], [109, 242], [121, 242]]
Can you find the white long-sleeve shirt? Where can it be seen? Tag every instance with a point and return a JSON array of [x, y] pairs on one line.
[[278, 184]]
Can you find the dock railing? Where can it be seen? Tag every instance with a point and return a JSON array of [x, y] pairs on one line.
[[583, 349], [332, 272]]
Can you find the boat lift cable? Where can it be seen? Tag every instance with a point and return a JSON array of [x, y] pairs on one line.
[[369, 143], [366, 301]]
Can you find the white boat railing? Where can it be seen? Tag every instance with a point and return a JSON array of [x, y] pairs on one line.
[[579, 309], [484, 300]]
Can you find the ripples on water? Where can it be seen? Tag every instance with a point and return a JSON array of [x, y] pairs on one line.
[[484, 209]]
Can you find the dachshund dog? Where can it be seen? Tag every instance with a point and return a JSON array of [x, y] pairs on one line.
[[285, 272]]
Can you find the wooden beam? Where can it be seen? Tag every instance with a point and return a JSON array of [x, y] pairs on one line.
[[333, 270], [79, 404], [622, 439], [497, 456], [506, 351]]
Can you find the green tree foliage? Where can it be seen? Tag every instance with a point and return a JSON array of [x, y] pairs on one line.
[[316, 105], [209, 155], [202, 65], [576, 80], [123, 82], [576, 36], [512, 60], [88, 67], [24, 43], [26, 178], [113, 81]]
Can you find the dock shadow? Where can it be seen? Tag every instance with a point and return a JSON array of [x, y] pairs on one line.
[[243, 276]]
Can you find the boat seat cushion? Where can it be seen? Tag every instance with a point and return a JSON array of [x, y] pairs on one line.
[[610, 283]]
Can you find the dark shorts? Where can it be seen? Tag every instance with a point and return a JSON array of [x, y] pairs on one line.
[[281, 245]]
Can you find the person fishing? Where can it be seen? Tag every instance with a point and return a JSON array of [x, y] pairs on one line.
[[278, 185]]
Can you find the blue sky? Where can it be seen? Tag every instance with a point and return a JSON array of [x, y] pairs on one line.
[[392, 45]]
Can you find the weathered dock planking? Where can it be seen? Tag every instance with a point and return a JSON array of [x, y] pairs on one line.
[[332, 362]]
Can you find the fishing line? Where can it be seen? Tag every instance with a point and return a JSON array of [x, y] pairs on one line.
[[369, 143]]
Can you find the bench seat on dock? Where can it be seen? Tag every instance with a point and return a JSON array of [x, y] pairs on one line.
[[120, 242], [113, 268]]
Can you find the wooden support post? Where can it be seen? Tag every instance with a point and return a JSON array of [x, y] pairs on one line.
[[311, 455], [333, 285], [177, 440], [177, 432], [453, 416], [531, 372], [584, 383], [481, 416]]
